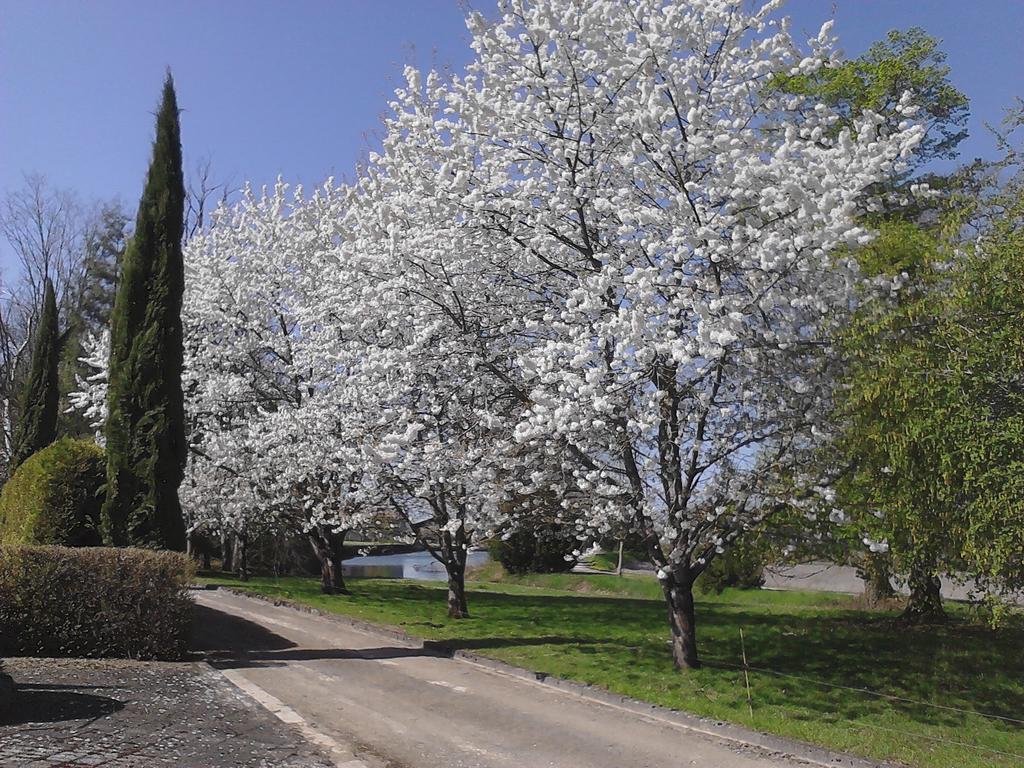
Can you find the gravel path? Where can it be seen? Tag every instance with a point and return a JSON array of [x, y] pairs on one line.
[[129, 714]]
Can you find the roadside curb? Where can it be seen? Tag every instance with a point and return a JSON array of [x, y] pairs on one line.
[[735, 735]]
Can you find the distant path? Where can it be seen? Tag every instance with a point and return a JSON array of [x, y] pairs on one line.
[[824, 577], [412, 709]]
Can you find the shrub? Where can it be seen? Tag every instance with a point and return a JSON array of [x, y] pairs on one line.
[[540, 549], [55, 496], [122, 603], [741, 566]]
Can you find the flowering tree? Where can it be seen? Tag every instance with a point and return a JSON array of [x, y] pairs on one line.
[[430, 359], [271, 421], [603, 267], [90, 399], [658, 236]]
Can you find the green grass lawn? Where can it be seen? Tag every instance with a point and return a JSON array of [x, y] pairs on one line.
[[819, 648]]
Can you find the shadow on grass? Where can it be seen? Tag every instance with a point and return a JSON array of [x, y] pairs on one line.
[[844, 665], [483, 643], [815, 655]]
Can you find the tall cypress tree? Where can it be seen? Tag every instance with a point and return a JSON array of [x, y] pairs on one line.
[[145, 427], [39, 402]]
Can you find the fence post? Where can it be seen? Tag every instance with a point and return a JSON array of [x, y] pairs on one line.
[[746, 675]]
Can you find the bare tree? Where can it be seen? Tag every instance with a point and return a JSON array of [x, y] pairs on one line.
[[14, 357], [44, 228], [202, 193]]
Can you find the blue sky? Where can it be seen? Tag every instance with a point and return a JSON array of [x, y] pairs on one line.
[[298, 88]]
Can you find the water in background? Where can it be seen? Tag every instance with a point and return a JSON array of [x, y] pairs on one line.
[[420, 566]]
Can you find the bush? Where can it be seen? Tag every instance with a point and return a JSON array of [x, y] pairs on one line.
[[541, 549], [122, 603], [55, 496], [741, 566]]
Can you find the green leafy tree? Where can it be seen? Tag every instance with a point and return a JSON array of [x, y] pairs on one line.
[[901, 489], [145, 428], [904, 252], [980, 321], [906, 60], [40, 398], [936, 403], [105, 243]]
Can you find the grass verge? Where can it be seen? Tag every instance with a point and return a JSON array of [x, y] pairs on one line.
[[813, 656]]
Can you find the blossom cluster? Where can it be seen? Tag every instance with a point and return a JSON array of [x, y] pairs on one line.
[[601, 266]]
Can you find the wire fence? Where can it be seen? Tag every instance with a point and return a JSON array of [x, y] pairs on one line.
[[867, 691], [748, 668], [938, 739]]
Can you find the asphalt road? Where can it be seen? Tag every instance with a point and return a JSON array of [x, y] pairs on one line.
[[372, 702]]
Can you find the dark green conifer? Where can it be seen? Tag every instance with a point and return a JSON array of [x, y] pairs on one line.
[[145, 427], [39, 403], [105, 241]]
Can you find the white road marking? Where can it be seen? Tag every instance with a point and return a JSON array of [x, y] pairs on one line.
[[342, 756], [445, 684], [338, 697]]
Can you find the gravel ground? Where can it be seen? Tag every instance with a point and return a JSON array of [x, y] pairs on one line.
[[129, 714]]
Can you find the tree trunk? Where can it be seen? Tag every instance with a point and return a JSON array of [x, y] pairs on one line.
[[925, 603], [457, 606], [877, 574], [618, 567], [197, 546], [241, 549], [454, 551], [678, 590], [227, 564], [329, 547]]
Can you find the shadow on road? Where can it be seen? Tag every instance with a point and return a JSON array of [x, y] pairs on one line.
[[56, 704], [216, 634], [279, 658], [228, 641]]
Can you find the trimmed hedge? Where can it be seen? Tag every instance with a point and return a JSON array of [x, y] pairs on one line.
[[55, 496], [94, 602]]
